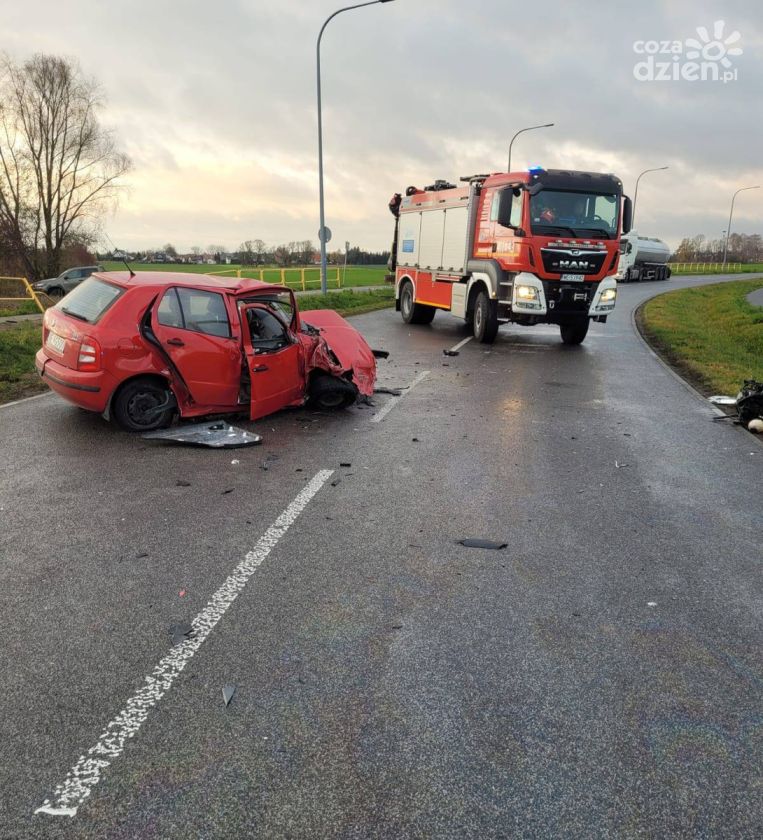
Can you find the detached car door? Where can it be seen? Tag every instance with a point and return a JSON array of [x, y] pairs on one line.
[[193, 327], [274, 360]]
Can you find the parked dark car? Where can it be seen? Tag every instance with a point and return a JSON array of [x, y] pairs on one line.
[[57, 287]]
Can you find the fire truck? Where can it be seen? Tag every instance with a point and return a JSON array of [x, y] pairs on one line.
[[534, 247]]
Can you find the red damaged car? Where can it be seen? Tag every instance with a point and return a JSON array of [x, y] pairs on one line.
[[143, 347]]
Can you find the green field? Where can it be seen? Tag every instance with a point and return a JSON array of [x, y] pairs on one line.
[[355, 275], [710, 334]]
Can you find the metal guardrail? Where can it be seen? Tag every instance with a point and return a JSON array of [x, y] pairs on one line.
[[282, 274], [27, 287], [705, 267]]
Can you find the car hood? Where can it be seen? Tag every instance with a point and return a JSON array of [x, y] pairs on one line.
[[342, 349]]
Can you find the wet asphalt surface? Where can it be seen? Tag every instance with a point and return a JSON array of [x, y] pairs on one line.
[[600, 677]]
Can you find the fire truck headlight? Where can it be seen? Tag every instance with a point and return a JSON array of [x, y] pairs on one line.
[[527, 293], [608, 295]]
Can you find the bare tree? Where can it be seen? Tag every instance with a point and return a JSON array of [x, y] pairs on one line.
[[282, 256], [246, 253], [59, 168], [260, 249], [305, 252]]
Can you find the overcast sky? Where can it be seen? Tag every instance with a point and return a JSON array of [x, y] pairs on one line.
[[215, 103]]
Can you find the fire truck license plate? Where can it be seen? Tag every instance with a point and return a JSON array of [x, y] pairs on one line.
[[572, 278]]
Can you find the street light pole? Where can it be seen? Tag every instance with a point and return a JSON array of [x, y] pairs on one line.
[[731, 213], [635, 194], [521, 131], [322, 231]]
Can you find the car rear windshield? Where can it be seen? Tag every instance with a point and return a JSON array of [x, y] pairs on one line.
[[90, 300]]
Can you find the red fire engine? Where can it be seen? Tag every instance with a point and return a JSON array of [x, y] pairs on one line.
[[524, 247]]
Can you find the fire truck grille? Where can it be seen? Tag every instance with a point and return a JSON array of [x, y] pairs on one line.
[[575, 298], [572, 260]]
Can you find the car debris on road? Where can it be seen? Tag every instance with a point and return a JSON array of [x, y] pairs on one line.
[[215, 435], [478, 543], [748, 403]]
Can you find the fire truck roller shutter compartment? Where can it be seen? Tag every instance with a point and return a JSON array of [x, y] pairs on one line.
[[430, 247], [454, 245]]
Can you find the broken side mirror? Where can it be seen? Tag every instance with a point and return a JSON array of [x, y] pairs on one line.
[[627, 214]]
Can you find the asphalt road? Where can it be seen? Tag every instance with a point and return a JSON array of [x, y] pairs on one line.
[[599, 677]]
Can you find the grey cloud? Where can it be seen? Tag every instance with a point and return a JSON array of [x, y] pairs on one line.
[[414, 90]]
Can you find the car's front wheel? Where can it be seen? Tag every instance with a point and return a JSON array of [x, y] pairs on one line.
[[329, 392], [143, 405]]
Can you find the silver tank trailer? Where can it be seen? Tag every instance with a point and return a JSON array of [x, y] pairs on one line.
[[643, 258]]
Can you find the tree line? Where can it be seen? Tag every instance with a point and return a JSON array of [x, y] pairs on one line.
[[743, 247], [255, 252]]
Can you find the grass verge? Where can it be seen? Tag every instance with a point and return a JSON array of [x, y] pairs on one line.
[[18, 378], [710, 335], [25, 307], [349, 302], [20, 342]]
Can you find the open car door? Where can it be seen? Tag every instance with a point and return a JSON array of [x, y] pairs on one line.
[[273, 359]]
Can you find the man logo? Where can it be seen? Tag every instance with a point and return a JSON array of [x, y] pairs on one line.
[[573, 264]]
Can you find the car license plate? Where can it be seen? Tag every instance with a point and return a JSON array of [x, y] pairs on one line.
[[572, 278], [55, 342]]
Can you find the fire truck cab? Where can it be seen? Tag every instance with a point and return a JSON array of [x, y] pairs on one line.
[[531, 247]]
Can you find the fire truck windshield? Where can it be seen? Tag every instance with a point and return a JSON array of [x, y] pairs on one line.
[[574, 213]]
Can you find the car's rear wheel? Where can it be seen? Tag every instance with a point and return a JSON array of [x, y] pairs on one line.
[[330, 393], [143, 405]]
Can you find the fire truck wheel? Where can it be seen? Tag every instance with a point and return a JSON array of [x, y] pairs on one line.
[[328, 392], [485, 318], [574, 333], [414, 313]]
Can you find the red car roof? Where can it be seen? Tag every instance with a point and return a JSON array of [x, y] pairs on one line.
[[182, 278]]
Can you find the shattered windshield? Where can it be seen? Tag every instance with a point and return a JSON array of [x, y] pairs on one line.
[[574, 213]]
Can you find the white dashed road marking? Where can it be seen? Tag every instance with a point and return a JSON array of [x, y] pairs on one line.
[[26, 399], [461, 343], [393, 401], [89, 768]]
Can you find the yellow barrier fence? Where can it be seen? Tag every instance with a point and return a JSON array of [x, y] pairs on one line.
[[282, 274], [21, 284]]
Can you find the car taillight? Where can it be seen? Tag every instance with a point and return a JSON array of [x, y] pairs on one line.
[[89, 354]]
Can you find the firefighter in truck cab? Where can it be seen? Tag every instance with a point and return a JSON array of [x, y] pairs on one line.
[[534, 247]]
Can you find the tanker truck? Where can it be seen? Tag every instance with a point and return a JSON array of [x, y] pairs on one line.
[[642, 258]]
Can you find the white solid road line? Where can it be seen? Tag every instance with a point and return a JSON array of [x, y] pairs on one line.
[[461, 343], [393, 401], [27, 399], [86, 773]]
